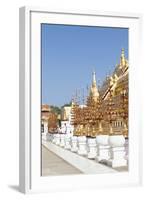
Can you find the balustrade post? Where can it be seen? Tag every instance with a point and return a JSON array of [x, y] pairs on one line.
[[74, 142], [103, 154], [117, 151], [92, 148], [67, 141], [82, 145], [62, 140]]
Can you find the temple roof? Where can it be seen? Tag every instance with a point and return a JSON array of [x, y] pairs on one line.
[[119, 76]]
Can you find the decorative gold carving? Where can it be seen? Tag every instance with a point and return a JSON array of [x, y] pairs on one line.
[[102, 110]]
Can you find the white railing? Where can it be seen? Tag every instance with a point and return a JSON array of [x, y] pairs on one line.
[[111, 150]]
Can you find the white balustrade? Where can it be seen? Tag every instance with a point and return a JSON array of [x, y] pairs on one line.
[[67, 141], [62, 140], [92, 148], [45, 133], [45, 127], [103, 154], [54, 138], [74, 143], [126, 149], [57, 140], [44, 136], [48, 137], [117, 157], [82, 145], [117, 151]]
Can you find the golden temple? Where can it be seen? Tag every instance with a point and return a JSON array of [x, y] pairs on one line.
[[106, 109]]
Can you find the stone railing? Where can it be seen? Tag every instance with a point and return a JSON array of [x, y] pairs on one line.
[[111, 150]]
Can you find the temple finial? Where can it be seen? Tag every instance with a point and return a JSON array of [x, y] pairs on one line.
[[123, 60], [94, 90], [93, 78], [123, 53]]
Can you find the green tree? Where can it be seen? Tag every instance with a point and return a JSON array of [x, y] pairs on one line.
[[55, 109]]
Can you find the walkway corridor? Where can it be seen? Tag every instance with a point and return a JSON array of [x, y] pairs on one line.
[[54, 165]]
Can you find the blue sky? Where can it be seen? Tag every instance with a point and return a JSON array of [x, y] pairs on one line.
[[71, 53]]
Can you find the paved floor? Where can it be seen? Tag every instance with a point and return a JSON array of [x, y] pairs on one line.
[[54, 165]]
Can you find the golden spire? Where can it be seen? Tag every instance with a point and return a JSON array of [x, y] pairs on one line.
[[94, 90], [123, 60], [123, 52], [94, 79]]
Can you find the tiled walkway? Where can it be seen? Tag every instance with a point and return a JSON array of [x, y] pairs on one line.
[[54, 165]]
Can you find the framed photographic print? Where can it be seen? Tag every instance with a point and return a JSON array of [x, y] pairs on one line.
[[79, 104]]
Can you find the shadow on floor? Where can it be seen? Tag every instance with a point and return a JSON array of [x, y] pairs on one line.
[[14, 187]]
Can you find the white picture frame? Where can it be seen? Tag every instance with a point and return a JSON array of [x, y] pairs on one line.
[[30, 140]]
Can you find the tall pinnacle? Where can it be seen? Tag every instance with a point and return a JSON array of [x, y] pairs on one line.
[[123, 60], [94, 90], [94, 79], [123, 53]]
